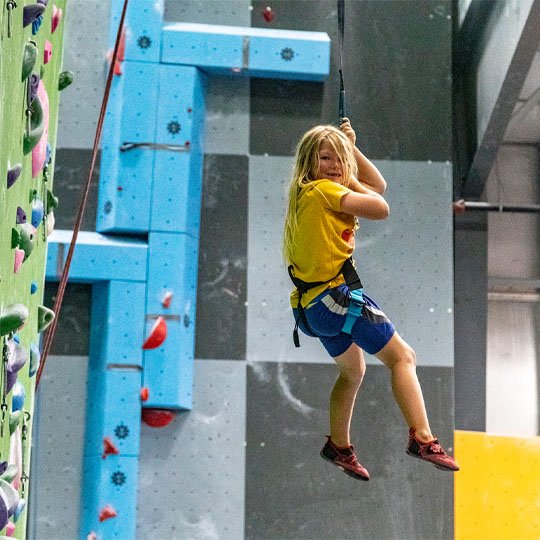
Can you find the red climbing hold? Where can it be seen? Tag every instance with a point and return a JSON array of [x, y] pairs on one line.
[[57, 15], [157, 334], [109, 448], [47, 52], [166, 302], [107, 513], [269, 14], [121, 53], [157, 417], [144, 394]]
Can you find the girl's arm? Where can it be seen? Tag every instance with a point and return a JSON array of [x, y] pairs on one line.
[[364, 203], [368, 174]]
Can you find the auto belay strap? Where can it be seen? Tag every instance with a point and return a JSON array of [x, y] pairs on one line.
[[351, 278]]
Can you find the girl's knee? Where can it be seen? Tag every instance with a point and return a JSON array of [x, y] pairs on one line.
[[354, 374]]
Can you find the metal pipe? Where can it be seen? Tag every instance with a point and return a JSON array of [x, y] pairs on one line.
[[459, 207]]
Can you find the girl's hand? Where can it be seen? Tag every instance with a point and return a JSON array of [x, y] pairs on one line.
[[348, 130]]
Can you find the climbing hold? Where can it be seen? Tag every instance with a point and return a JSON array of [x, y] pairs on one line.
[[27, 238], [107, 513], [3, 511], [13, 318], [156, 417], [166, 302], [269, 14], [37, 212], [15, 453], [3, 468], [13, 174], [17, 357], [32, 137], [10, 529], [31, 13], [19, 395], [10, 473], [21, 216], [157, 336], [45, 318], [56, 16], [33, 287], [121, 53], [50, 223], [91, 536], [35, 359], [44, 2], [39, 151], [29, 59], [12, 497], [65, 79], [52, 201], [109, 448], [14, 419], [47, 52], [144, 394], [20, 508], [19, 259]]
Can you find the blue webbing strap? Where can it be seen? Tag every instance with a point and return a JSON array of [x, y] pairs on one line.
[[354, 311]]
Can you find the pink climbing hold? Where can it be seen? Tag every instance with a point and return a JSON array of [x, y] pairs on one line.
[[107, 513], [47, 52], [56, 16], [19, 258], [91, 536], [39, 153], [109, 448], [10, 528], [157, 336]]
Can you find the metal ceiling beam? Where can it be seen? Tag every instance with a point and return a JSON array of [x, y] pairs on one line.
[[509, 86]]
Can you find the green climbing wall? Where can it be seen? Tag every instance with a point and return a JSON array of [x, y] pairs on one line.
[[26, 285]]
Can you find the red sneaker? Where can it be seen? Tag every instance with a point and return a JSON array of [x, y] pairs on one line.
[[432, 452], [345, 459]]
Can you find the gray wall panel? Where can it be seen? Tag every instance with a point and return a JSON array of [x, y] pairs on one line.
[[292, 493], [397, 69], [85, 54], [192, 472], [405, 262], [231, 12], [58, 442]]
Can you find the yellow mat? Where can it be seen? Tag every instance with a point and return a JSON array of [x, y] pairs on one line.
[[497, 490]]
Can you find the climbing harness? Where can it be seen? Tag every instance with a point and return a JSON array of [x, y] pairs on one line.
[[341, 24], [356, 298], [82, 206]]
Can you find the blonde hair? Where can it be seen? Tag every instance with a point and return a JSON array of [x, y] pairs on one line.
[[306, 170]]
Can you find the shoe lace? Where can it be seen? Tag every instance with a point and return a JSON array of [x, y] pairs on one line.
[[433, 448], [350, 460]]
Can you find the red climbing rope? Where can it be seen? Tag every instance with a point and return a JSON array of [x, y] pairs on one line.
[[63, 280]]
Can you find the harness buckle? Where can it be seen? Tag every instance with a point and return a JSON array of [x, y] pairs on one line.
[[354, 311]]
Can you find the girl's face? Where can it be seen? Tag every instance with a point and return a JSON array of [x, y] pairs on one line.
[[329, 163]]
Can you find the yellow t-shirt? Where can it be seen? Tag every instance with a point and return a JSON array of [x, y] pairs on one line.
[[324, 239]]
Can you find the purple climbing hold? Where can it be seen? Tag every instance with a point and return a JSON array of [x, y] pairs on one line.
[[21, 216], [31, 13], [3, 467], [44, 2], [13, 174]]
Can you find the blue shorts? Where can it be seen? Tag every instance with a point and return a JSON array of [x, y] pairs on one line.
[[326, 316]]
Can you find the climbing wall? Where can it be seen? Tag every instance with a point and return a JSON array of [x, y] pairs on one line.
[[31, 40]]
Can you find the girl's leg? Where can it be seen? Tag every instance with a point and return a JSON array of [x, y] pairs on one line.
[[351, 372], [401, 360]]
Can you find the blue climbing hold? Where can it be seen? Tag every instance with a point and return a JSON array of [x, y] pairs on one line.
[[19, 394], [37, 212], [33, 287]]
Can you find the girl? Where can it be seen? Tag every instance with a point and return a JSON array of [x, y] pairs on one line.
[[325, 198]]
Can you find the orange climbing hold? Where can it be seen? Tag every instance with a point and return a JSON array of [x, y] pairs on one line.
[[157, 335], [157, 417], [109, 448], [107, 513], [144, 394]]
